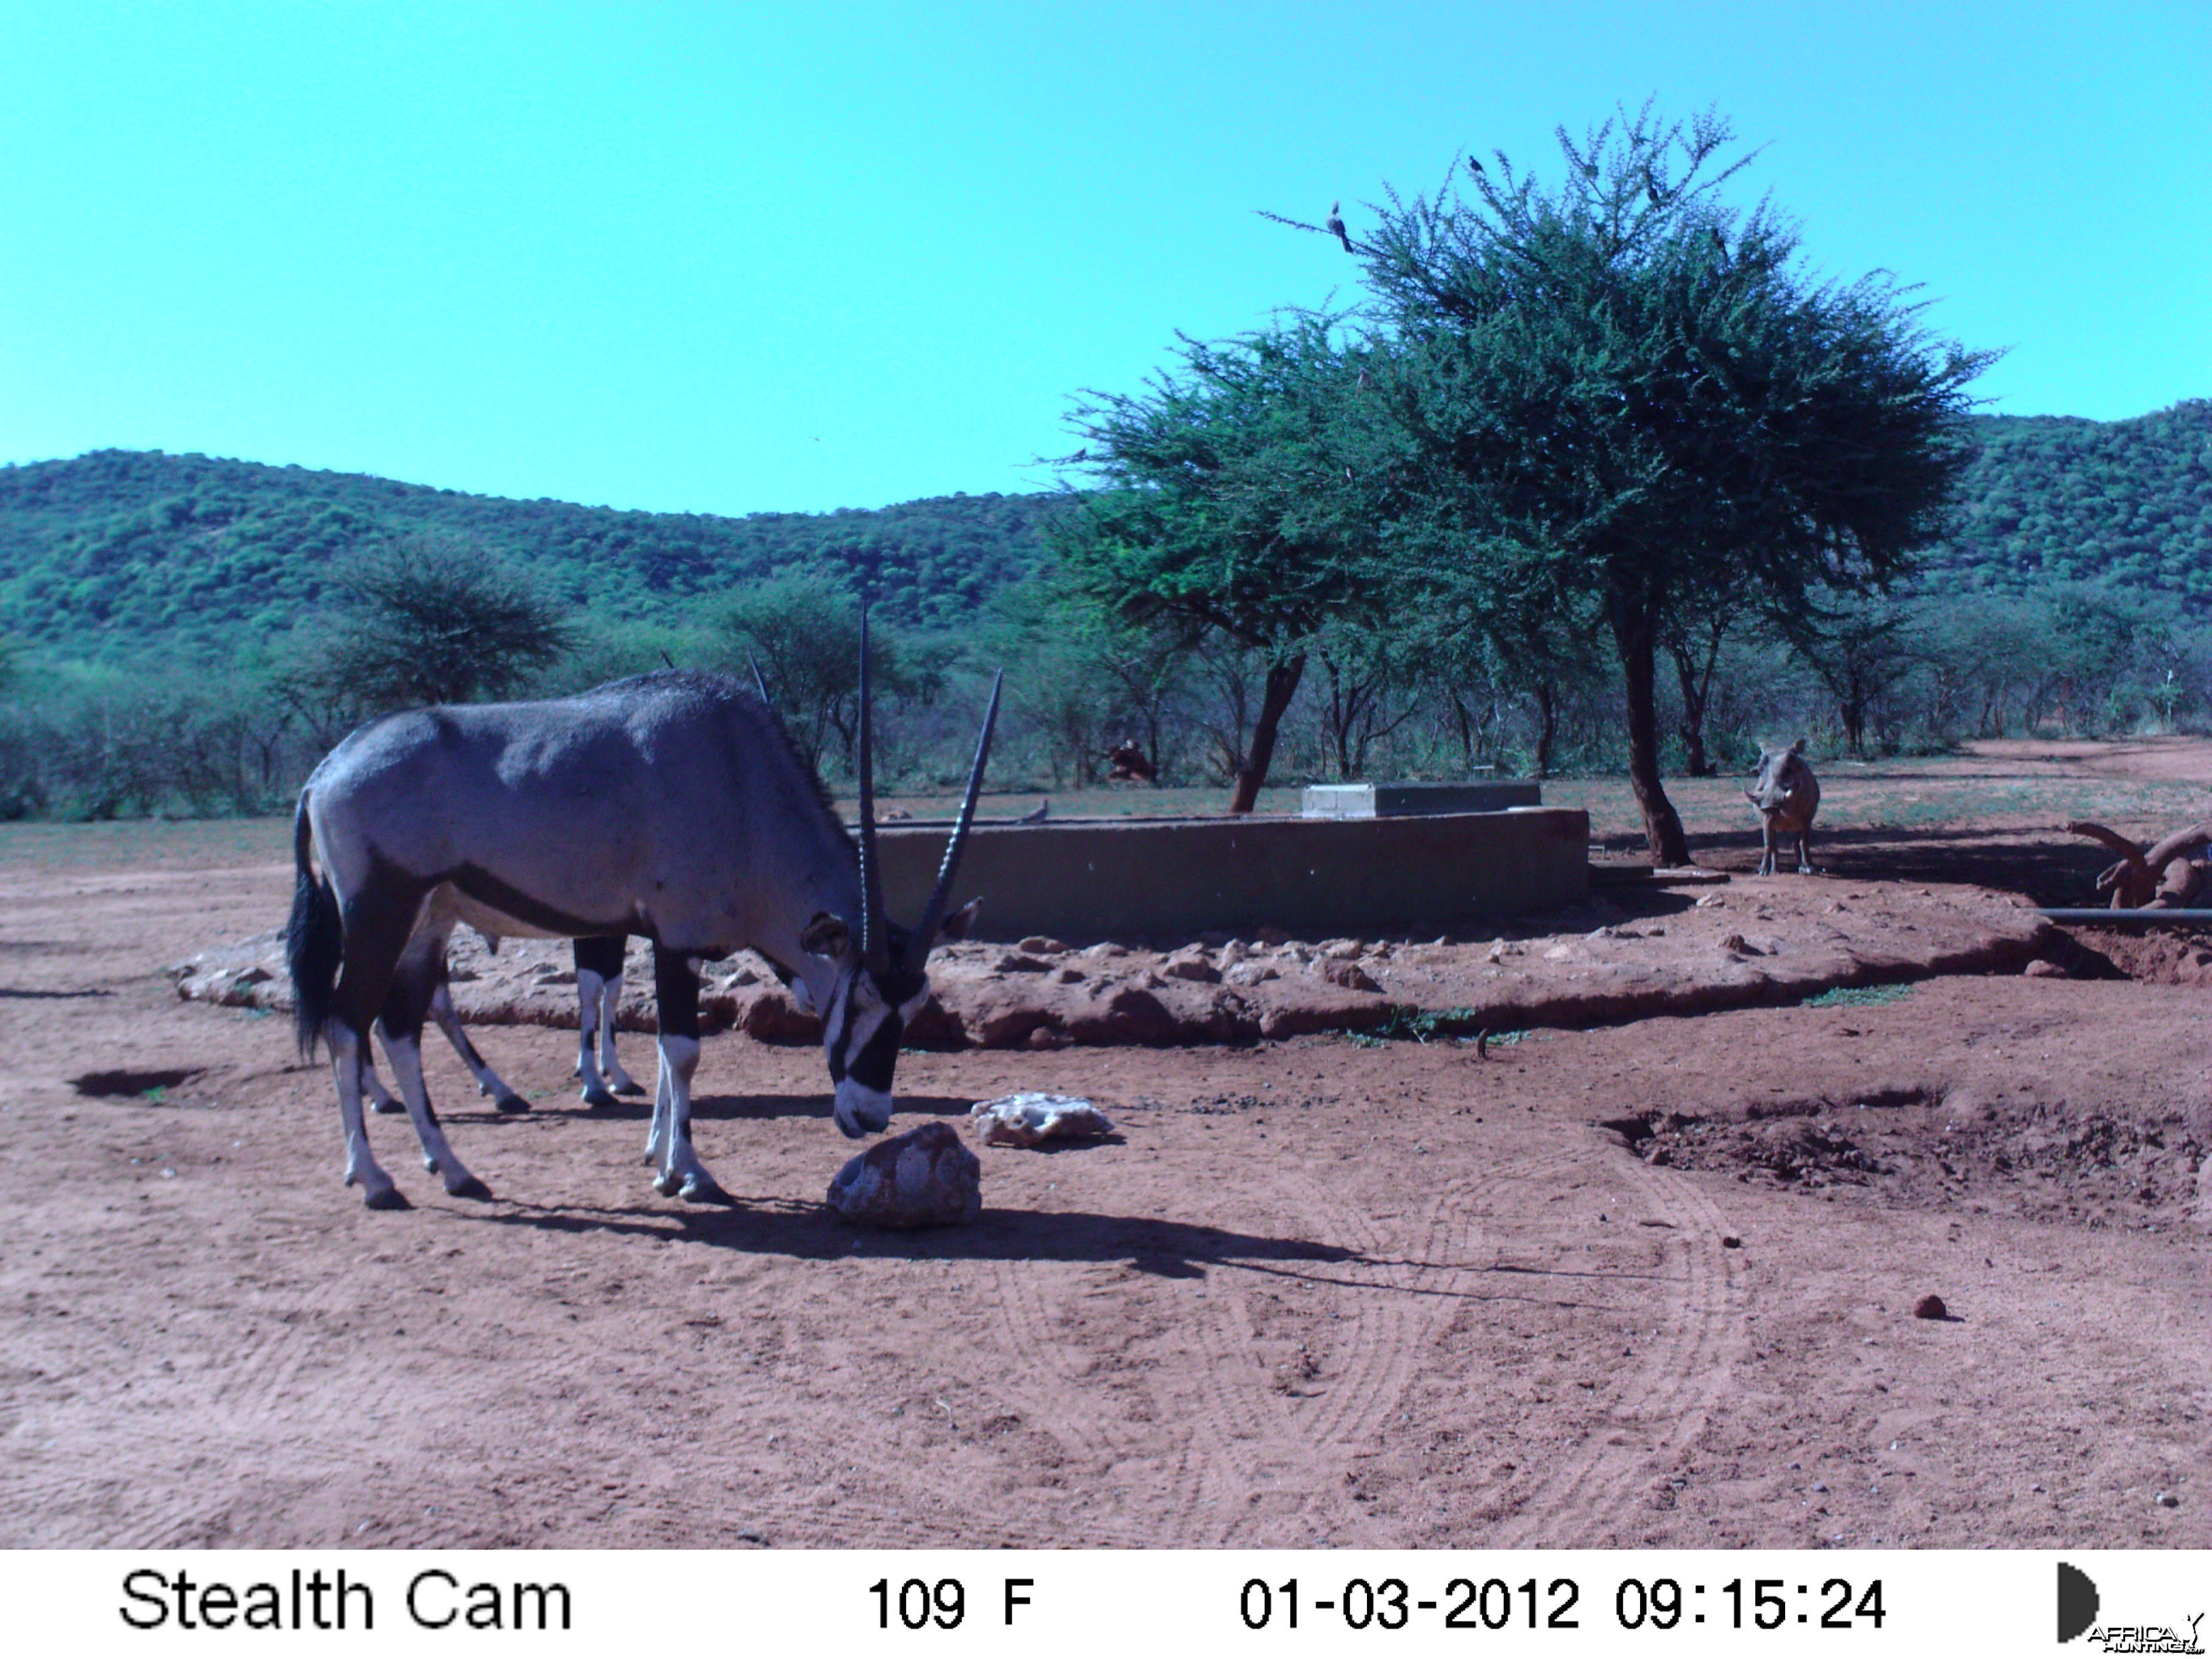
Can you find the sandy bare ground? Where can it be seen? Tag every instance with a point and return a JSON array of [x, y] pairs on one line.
[[1321, 1290]]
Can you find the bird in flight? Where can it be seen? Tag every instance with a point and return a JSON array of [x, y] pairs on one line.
[[1334, 225]]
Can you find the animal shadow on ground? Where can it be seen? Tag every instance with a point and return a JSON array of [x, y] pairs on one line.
[[2050, 871], [1151, 1246], [718, 1109], [1168, 1249]]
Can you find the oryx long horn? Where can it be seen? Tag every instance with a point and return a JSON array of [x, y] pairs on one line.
[[933, 913], [760, 683], [875, 936]]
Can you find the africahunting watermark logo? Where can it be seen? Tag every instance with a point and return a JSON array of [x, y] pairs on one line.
[[2079, 1604]]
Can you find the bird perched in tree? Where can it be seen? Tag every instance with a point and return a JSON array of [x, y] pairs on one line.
[[1720, 242], [1476, 168], [1334, 225], [1650, 185]]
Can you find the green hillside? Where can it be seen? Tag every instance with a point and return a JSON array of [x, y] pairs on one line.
[[117, 552], [2049, 499]]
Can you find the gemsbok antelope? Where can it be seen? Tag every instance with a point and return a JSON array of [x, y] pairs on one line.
[[598, 997], [672, 807]]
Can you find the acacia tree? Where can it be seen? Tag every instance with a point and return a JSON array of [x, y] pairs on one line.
[[803, 634], [1236, 497], [1622, 393], [425, 620], [1862, 649]]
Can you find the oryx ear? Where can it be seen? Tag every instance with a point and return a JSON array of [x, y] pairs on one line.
[[956, 925], [825, 936]]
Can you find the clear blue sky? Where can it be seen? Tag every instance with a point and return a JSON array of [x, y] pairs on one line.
[[728, 259]]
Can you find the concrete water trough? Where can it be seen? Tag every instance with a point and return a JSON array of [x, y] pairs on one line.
[[1317, 878]]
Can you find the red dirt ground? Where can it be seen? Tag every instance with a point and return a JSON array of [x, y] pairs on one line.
[[1649, 1283]]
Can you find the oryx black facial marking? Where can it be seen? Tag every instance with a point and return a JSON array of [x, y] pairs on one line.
[[869, 1020]]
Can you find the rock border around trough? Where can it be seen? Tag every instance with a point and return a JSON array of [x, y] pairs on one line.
[[1755, 943]]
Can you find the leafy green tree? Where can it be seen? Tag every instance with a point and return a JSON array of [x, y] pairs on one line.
[[803, 633], [435, 621], [1373, 679], [1620, 391], [1861, 647], [1237, 498]]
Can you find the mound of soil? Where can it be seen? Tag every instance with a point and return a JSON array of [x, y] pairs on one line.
[[2179, 955], [1758, 941], [1950, 1142]]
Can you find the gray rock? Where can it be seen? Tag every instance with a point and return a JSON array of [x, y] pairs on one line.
[[924, 1178]]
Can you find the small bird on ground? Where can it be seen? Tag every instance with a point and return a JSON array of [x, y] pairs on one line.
[[1334, 225], [1043, 811]]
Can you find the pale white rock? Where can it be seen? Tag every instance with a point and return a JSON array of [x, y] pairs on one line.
[[1029, 1119]]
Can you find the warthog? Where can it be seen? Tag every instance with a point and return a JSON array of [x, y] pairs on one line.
[[1785, 798], [1130, 765]]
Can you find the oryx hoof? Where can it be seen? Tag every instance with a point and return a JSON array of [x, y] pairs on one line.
[[630, 1086], [599, 1099], [510, 1102], [668, 1184], [386, 1197], [701, 1188], [469, 1188], [385, 1108]]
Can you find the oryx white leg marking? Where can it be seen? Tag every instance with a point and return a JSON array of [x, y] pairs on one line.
[[362, 1169], [656, 1136], [610, 1067], [406, 1054], [380, 1099], [590, 1006], [681, 1172], [488, 1082]]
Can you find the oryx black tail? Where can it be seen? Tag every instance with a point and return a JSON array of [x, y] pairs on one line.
[[314, 939]]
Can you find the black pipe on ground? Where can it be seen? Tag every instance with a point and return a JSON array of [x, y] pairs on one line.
[[2088, 918]]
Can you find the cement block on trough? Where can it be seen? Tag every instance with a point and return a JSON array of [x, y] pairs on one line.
[[1315, 877], [1406, 800]]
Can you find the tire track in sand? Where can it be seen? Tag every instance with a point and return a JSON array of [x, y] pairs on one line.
[[1664, 1404]]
